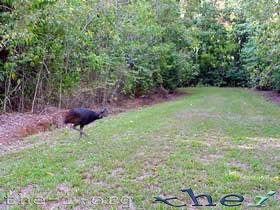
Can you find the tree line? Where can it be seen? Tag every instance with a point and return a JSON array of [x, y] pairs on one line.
[[56, 52]]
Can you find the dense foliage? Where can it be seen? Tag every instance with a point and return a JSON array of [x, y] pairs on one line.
[[64, 52]]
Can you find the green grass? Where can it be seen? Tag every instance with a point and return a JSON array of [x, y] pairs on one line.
[[213, 140]]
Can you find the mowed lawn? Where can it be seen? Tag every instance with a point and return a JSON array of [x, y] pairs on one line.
[[213, 140]]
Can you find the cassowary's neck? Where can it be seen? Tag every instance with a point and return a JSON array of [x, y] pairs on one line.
[[100, 115]]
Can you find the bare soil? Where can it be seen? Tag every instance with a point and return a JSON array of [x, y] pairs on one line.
[[15, 126], [268, 95], [271, 95]]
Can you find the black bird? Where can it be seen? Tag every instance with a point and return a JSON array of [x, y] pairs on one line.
[[82, 117]]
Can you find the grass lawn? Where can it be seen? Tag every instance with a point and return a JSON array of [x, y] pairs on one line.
[[213, 140]]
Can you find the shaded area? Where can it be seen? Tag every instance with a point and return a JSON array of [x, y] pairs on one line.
[[271, 96]]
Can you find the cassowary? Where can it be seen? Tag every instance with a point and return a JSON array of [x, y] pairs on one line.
[[82, 117]]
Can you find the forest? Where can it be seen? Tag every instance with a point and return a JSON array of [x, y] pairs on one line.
[[54, 52]]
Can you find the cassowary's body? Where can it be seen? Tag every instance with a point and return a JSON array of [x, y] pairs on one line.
[[82, 117]]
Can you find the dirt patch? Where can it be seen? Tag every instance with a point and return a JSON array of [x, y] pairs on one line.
[[16, 126], [117, 172], [63, 188], [235, 163], [269, 95], [210, 158], [144, 176]]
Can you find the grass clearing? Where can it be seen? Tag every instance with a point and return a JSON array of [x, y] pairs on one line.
[[216, 141]]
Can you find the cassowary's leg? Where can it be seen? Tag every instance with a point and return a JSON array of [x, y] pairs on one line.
[[74, 127], [82, 132]]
